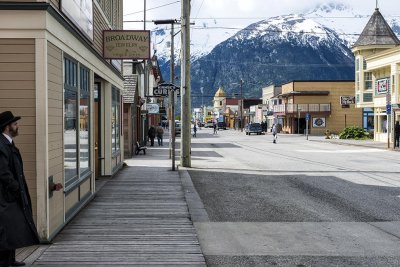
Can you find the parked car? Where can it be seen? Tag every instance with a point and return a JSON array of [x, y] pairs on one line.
[[253, 128], [209, 124], [178, 127], [221, 125]]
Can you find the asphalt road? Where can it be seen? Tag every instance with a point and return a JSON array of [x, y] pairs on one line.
[[294, 203]]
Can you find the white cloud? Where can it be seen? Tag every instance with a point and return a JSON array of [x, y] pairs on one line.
[[238, 14]]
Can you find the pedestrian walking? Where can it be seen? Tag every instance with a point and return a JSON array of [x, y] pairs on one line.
[[152, 134], [274, 133], [194, 130], [215, 128], [160, 133], [17, 228], [397, 134]]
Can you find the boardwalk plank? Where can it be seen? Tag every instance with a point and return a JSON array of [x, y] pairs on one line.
[[134, 220]]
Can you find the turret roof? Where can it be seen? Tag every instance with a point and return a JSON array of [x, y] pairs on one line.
[[220, 93], [377, 32]]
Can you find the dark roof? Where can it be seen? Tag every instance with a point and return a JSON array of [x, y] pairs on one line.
[[303, 93], [377, 32], [231, 101]]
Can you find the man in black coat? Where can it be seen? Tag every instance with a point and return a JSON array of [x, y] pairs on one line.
[[152, 134], [17, 228]]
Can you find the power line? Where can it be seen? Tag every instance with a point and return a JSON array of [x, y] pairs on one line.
[[308, 17], [198, 11], [156, 7]]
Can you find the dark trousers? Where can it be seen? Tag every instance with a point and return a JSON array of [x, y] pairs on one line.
[[159, 139], [151, 141], [7, 257], [397, 140]]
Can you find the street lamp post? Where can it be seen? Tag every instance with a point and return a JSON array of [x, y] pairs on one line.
[[241, 106], [298, 120], [171, 93]]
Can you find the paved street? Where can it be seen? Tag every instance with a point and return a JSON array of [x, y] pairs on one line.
[[294, 203]]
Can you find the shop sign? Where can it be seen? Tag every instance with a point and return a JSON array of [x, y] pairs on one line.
[[153, 108], [130, 83], [318, 122], [164, 88], [382, 86], [126, 44], [347, 99]]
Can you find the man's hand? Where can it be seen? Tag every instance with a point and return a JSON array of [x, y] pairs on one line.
[[57, 187]]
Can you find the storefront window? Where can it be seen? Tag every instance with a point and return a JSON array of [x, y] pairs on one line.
[[115, 121], [84, 125], [70, 123], [77, 121]]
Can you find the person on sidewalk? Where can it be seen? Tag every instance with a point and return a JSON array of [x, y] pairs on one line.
[[194, 130], [160, 133], [397, 134], [17, 228], [274, 133], [152, 134]]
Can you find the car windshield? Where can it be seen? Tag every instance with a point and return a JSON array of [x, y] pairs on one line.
[[255, 125]]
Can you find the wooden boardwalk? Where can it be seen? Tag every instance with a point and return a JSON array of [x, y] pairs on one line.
[[139, 218]]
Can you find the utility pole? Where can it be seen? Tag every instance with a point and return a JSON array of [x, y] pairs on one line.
[[185, 84], [241, 106]]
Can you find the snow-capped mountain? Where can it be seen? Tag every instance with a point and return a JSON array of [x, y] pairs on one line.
[[275, 50], [310, 46], [339, 17]]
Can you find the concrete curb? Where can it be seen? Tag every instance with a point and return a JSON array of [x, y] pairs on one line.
[[354, 144], [193, 200]]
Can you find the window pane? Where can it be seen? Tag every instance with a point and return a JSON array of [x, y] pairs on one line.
[[70, 139], [115, 127], [84, 124]]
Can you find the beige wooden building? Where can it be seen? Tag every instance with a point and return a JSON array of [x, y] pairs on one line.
[[53, 75], [377, 72], [322, 101]]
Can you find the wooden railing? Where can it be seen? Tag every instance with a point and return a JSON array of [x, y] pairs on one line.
[[295, 108]]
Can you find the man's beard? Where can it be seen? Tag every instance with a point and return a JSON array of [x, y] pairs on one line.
[[13, 132]]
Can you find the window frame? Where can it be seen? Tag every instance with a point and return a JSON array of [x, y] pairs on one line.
[[74, 81]]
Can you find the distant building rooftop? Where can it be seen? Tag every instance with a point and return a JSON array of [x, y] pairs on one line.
[[377, 32]]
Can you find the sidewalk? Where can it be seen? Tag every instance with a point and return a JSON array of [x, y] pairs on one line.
[[138, 218], [350, 142]]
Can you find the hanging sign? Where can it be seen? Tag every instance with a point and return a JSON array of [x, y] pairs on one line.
[[164, 88], [126, 44]]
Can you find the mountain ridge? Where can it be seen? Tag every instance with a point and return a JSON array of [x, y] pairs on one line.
[[277, 50]]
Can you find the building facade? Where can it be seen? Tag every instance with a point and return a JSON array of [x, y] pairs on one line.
[[377, 69], [218, 100], [317, 105], [269, 100], [52, 73]]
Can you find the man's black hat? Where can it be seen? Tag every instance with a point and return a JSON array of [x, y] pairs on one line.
[[6, 118]]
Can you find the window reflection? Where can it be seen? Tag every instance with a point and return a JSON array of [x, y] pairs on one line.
[[70, 123], [115, 119], [76, 121], [84, 123]]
